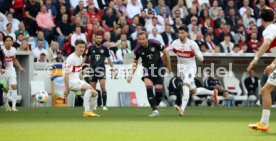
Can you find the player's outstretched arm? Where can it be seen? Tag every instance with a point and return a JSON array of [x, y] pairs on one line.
[[264, 47], [132, 70], [168, 60], [17, 64]]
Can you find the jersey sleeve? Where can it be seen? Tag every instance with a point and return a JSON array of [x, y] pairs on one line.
[[107, 53], [171, 47], [136, 55], [269, 34], [68, 66]]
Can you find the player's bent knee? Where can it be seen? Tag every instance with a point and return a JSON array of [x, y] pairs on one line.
[[13, 87], [94, 93], [193, 91]]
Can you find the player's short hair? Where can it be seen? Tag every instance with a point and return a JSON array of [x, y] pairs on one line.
[[79, 41], [142, 33], [99, 34], [7, 37], [183, 27], [267, 14]]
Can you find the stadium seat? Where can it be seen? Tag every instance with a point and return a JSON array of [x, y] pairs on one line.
[[232, 84], [35, 87]]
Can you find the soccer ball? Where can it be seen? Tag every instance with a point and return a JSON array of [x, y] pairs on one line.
[[42, 96]]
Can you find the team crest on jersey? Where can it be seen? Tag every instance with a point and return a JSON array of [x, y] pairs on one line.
[[152, 49], [102, 51], [93, 51]]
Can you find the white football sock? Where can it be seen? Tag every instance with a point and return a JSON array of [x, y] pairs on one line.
[[185, 98], [86, 100], [265, 116], [14, 98], [93, 102], [6, 98], [203, 91]]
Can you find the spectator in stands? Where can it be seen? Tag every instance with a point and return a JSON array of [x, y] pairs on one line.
[[64, 30], [193, 12], [9, 32], [52, 51], [150, 9], [214, 10], [21, 29], [39, 49], [109, 19], [212, 83], [194, 32], [78, 24], [9, 19], [40, 36], [62, 10], [45, 22], [24, 46], [59, 58], [161, 4], [247, 18], [231, 5], [119, 6], [220, 19], [168, 36], [31, 10], [2, 35], [162, 17], [123, 49], [243, 9], [79, 7], [77, 35], [253, 43], [51, 8], [83, 16], [180, 9], [92, 12], [177, 23], [156, 36], [139, 28], [232, 18], [108, 43], [194, 22], [19, 38], [135, 22], [75, 3], [209, 43], [251, 83], [154, 24], [227, 46], [199, 39], [42, 58], [207, 23], [115, 36], [124, 38]]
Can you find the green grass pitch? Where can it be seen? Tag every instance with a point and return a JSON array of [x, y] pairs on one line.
[[133, 124]]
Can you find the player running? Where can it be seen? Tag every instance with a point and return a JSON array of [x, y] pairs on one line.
[[186, 51], [150, 52], [98, 54], [10, 59], [73, 67], [269, 35]]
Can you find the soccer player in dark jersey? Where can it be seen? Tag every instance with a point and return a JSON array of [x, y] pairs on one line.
[[97, 54], [150, 52]]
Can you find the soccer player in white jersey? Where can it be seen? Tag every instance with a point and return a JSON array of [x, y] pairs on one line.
[[186, 51], [73, 68], [269, 35], [10, 59]]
